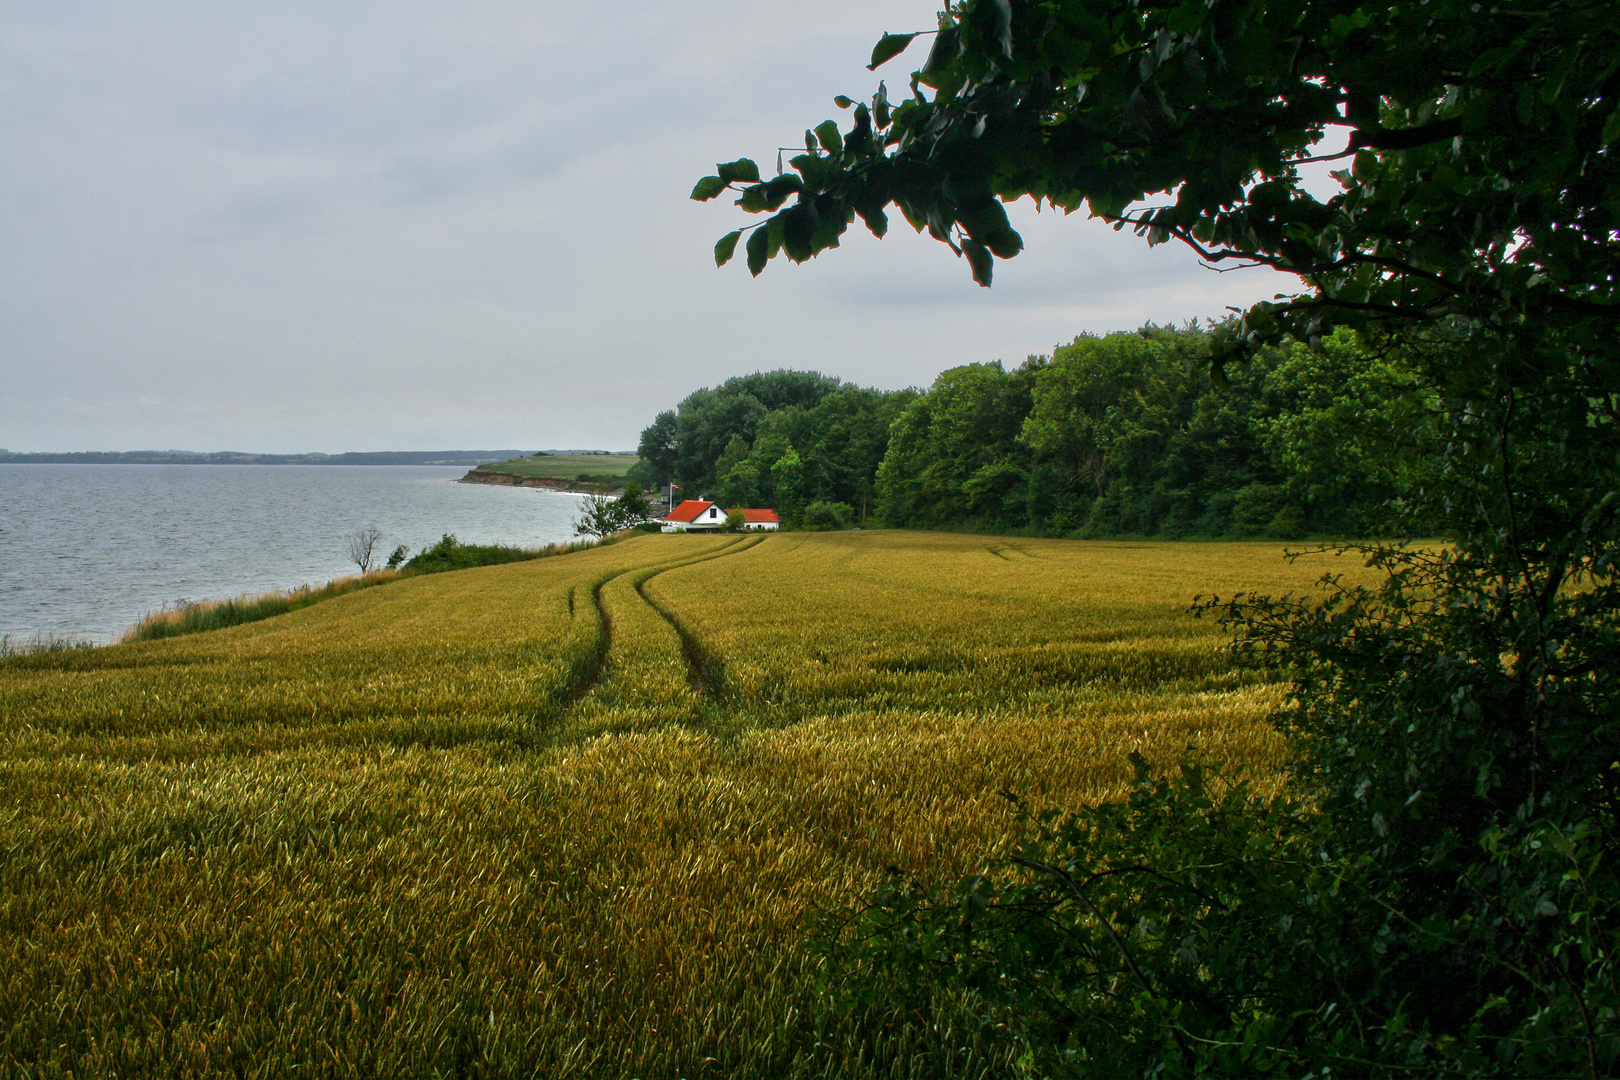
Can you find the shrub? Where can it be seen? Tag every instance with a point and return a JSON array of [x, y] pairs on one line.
[[827, 516], [451, 554]]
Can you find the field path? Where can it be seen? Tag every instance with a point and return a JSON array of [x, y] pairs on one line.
[[648, 668]]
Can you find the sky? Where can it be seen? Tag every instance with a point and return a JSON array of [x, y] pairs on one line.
[[361, 225]]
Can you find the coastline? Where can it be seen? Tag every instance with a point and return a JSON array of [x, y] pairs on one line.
[[479, 476]]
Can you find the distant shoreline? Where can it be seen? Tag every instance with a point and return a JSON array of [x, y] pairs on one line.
[[550, 483]]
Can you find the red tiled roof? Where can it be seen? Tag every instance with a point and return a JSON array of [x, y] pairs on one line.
[[688, 510], [755, 516]]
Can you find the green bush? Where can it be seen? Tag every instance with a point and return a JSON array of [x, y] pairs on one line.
[[826, 516], [451, 554]]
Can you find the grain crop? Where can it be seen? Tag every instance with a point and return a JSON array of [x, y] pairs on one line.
[[568, 817]]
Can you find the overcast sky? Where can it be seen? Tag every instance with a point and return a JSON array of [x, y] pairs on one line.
[[358, 225]]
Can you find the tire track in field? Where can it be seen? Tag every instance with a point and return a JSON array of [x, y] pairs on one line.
[[588, 670], [591, 669], [704, 670]]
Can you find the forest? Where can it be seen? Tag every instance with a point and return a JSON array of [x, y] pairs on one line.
[[1124, 434]]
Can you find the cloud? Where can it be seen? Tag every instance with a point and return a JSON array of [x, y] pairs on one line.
[[307, 226]]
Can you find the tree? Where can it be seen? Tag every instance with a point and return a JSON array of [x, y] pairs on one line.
[[787, 481], [602, 515], [598, 516], [362, 546], [657, 448], [630, 508]]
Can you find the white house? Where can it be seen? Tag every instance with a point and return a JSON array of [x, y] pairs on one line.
[[696, 515]]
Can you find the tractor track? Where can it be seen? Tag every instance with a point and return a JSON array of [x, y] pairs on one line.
[[704, 671]]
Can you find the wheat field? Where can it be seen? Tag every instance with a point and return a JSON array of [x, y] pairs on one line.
[[569, 817]]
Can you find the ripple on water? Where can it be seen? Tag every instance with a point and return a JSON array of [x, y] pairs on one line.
[[86, 550]]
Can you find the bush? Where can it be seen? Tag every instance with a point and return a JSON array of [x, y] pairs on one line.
[[451, 554], [827, 516]]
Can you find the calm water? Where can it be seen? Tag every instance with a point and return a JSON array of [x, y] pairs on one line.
[[86, 550]]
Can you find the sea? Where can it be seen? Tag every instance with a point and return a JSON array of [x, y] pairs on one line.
[[87, 550]]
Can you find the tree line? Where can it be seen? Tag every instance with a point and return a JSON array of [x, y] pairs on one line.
[[1124, 434]]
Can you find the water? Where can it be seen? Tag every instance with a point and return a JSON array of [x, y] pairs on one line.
[[86, 550]]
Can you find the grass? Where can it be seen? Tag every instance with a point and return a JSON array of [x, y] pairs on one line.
[[564, 466], [39, 643], [195, 617], [568, 817]]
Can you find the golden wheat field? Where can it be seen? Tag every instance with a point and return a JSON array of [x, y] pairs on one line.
[[568, 817]]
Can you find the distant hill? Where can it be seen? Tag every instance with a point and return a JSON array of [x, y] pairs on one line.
[[231, 457], [577, 470]]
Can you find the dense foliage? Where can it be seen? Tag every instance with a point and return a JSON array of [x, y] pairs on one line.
[[451, 554], [1129, 434], [1478, 178], [1442, 898], [601, 515], [1125, 434], [779, 439]]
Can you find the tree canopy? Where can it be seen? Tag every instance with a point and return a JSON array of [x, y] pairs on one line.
[[1478, 179]]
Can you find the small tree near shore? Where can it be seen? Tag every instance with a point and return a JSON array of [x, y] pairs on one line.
[[598, 516], [362, 547]]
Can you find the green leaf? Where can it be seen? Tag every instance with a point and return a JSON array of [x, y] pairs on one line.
[[827, 134], [756, 251], [843, 102], [1003, 14], [742, 169], [726, 247], [1611, 127], [876, 220], [813, 168], [707, 188], [779, 188], [888, 47], [1005, 243], [798, 225], [980, 259], [944, 50]]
